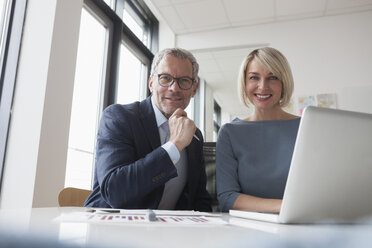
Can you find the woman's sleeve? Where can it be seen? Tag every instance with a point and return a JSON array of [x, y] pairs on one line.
[[228, 188]]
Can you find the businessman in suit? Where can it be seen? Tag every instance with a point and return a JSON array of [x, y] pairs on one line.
[[147, 155]]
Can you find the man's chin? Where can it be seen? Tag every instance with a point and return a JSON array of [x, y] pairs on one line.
[[169, 111]]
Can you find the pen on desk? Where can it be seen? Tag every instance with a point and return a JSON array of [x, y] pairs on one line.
[[151, 215], [110, 211], [103, 211], [196, 137]]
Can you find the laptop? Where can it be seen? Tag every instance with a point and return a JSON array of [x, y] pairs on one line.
[[330, 177]]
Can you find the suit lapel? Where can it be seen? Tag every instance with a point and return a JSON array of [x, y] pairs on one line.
[[148, 121], [192, 163]]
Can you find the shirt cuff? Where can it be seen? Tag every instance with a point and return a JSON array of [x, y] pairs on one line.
[[172, 151]]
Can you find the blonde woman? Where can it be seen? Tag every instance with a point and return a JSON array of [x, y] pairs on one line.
[[254, 153]]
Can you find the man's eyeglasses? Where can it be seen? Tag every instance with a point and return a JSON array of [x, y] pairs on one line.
[[184, 83]]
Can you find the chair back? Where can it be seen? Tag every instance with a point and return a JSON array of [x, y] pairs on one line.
[[73, 197], [209, 150]]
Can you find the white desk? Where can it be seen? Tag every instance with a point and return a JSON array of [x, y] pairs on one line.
[[40, 222]]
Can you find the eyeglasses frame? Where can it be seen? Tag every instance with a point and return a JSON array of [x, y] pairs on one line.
[[175, 79]]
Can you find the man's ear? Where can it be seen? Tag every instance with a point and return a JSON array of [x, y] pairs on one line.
[[196, 86], [150, 83]]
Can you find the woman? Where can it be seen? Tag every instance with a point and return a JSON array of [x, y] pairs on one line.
[[254, 154]]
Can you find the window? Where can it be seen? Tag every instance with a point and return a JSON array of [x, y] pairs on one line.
[[113, 65], [139, 19], [135, 23], [132, 78], [109, 2], [134, 62], [86, 101], [11, 24], [3, 12]]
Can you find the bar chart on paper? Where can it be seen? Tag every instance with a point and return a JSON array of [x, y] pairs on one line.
[[161, 219], [138, 218]]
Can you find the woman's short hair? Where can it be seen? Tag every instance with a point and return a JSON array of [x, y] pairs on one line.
[[275, 62], [178, 53]]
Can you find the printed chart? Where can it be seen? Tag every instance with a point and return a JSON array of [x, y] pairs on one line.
[[130, 218]]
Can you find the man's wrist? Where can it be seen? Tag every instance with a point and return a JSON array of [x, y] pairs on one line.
[[178, 145], [172, 151]]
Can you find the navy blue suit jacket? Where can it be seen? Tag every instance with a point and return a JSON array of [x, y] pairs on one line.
[[132, 167]]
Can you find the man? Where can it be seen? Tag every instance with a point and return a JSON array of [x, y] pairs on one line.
[[147, 154]]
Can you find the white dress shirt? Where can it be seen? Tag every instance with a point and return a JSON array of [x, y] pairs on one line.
[[174, 187]]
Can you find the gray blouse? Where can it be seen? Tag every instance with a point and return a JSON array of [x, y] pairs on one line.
[[253, 157]]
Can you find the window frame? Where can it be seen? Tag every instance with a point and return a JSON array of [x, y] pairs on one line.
[[120, 34], [107, 23], [8, 65]]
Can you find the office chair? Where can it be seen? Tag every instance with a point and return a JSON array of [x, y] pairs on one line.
[[209, 150]]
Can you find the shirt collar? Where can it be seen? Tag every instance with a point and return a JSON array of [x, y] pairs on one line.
[[160, 118]]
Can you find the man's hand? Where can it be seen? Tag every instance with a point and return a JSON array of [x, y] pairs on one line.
[[181, 129]]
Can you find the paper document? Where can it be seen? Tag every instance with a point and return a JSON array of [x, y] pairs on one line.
[[137, 218], [157, 212]]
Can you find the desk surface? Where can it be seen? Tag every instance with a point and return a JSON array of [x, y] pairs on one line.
[[239, 233]]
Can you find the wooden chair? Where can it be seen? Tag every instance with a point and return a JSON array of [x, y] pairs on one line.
[[73, 197]]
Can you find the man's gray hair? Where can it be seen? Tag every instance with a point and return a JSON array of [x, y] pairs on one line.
[[178, 53]]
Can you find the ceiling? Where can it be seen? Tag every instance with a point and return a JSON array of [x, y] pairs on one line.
[[219, 65]]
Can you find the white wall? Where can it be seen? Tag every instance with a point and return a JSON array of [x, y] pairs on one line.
[[209, 109], [37, 144], [328, 55], [167, 37]]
